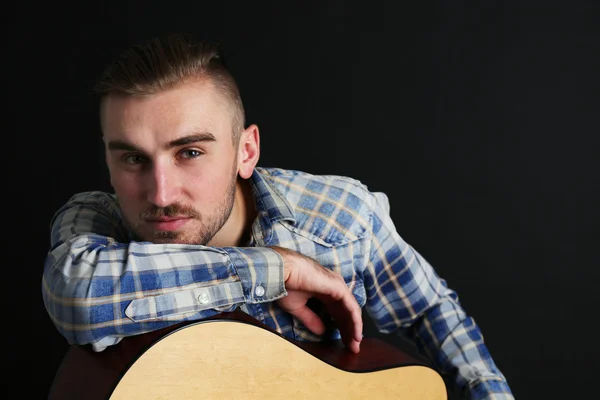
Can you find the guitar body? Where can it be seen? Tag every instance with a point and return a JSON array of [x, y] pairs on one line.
[[234, 356]]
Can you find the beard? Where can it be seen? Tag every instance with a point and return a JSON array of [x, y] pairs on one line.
[[209, 224]]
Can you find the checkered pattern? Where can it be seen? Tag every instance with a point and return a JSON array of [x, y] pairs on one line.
[[99, 285]]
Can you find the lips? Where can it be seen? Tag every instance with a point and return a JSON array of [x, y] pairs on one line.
[[167, 223]]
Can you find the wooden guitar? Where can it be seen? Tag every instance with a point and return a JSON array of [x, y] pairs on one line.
[[234, 356]]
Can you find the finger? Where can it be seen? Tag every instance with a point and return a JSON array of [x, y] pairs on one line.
[[354, 346], [352, 322], [309, 319], [350, 341], [348, 317], [356, 324], [351, 329]]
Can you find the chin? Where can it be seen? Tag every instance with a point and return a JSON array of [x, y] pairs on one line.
[[178, 238], [170, 237]]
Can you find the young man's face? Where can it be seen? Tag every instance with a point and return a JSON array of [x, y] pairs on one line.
[[172, 162]]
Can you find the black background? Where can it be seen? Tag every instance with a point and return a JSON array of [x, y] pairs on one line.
[[478, 119]]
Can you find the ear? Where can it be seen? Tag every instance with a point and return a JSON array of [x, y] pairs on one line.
[[248, 151]]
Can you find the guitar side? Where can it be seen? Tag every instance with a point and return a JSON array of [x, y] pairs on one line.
[[233, 355]]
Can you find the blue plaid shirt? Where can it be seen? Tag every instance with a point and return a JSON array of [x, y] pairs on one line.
[[100, 286]]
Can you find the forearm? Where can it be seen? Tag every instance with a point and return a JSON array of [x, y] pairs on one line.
[[455, 344], [96, 292], [429, 311], [98, 287], [406, 292]]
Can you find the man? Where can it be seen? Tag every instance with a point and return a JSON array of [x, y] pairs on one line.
[[195, 228]]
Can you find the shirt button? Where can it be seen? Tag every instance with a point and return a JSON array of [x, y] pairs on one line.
[[259, 291], [203, 298]]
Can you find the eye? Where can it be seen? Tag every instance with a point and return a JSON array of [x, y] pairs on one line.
[[133, 159], [190, 153]]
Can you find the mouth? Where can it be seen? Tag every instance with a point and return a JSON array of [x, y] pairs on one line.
[[167, 223]]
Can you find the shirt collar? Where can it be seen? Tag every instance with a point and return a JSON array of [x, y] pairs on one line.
[[269, 202]]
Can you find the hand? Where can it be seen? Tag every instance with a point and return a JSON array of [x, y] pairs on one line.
[[305, 278]]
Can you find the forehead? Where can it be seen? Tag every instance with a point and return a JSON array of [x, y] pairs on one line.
[[167, 115]]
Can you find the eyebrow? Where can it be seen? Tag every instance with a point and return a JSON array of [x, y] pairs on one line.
[[182, 141]]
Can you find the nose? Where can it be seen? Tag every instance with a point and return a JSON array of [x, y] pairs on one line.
[[163, 187]]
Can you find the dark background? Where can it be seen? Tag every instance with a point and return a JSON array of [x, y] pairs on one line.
[[478, 119]]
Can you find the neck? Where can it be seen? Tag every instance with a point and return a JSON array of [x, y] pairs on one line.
[[236, 231]]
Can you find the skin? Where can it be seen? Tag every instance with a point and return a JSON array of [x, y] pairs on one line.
[[180, 178], [172, 162]]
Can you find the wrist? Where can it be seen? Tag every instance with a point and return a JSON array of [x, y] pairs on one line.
[[286, 256]]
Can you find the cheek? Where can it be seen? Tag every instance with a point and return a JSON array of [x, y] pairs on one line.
[[210, 186], [207, 187], [128, 189], [126, 185]]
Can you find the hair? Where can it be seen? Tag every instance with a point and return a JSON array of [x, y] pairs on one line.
[[162, 63]]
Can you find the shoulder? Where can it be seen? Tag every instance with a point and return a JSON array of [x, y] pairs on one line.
[[92, 200], [94, 197], [333, 208], [328, 185]]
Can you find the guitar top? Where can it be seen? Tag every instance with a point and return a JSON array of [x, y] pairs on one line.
[[232, 355]]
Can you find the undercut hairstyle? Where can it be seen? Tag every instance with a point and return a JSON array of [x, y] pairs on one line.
[[163, 63]]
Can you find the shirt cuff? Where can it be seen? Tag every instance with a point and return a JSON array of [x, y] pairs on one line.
[[185, 303], [261, 273]]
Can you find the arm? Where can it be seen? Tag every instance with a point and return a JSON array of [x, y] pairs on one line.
[[98, 286], [404, 291]]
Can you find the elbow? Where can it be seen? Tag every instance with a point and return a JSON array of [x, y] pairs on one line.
[[64, 299]]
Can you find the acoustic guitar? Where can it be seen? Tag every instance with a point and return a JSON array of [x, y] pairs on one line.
[[234, 356]]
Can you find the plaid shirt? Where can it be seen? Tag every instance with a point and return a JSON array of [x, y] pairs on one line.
[[99, 285]]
